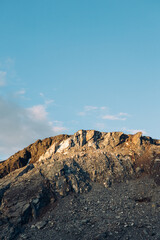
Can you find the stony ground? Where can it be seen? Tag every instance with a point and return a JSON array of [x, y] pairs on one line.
[[72, 192], [129, 210]]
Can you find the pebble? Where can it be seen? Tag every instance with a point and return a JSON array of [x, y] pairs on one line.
[[41, 224], [23, 236]]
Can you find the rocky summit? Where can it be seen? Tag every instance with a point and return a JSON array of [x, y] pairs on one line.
[[90, 185]]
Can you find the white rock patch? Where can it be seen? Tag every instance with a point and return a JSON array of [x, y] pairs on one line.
[[64, 145], [48, 153]]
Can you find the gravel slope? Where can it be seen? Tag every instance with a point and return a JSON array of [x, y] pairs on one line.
[[129, 210]]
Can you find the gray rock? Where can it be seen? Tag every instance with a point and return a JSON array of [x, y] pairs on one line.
[[72, 166], [138, 170], [41, 224]]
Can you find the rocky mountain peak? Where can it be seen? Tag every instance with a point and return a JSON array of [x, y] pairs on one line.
[[49, 169]]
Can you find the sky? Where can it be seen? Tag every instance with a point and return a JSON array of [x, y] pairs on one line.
[[77, 64]]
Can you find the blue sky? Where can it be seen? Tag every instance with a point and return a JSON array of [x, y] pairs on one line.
[[70, 65]]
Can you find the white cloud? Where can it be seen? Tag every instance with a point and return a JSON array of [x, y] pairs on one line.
[[123, 114], [41, 94], [82, 113], [59, 129], [120, 116], [91, 109], [103, 108], [47, 101], [100, 126], [19, 126], [20, 92], [113, 117], [2, 78], [134, 131], [9, 63], [37, 112]]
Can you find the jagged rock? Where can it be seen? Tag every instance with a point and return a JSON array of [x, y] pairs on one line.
[[70, 164], [137, 138], [30, 154], [114, 138]]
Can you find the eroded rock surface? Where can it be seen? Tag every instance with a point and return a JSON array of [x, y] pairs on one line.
[[28, 155], [69, 165]]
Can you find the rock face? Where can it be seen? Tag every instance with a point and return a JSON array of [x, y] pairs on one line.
[[48, 170], [30, 154]]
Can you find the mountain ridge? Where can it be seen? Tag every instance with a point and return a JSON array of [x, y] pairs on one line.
[[36, 149], [71, 165]]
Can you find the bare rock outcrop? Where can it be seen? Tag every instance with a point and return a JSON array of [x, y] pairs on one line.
[[29, 154], [64, 165]]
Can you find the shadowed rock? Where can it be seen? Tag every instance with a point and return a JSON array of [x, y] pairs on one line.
[[66, 164], [30, 154]]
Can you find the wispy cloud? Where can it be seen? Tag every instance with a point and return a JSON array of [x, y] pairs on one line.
[[47, 101], [2, 78], [21, 126], [81, 113], [58, 126], [114, 117], [37, 112], [58, 129], [100, 126], [41, 94], [20, 92], [90, 109], [124, 114], [134, 131], [9, 63], [103, 108]]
